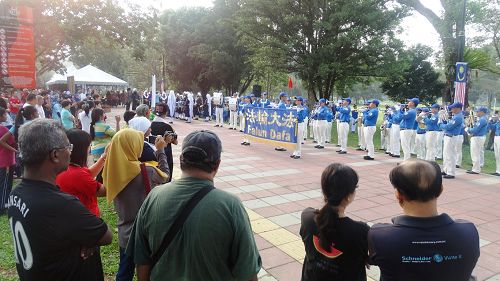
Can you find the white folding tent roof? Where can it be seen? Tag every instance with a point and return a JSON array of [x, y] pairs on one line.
[[88, 75]]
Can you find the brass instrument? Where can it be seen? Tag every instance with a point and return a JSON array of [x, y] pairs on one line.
[[360, 115], [471, 120], [420, 120]]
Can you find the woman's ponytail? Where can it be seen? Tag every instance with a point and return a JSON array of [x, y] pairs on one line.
[[338, 181]]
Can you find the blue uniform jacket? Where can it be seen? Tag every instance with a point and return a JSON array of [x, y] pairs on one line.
[[301, 113], [397, 116], [282, 105], [322, 113], [432, 122], [496, 127], [370, 117], [408, 119], [241, 106], [265, 103], [454, 126], [480, 127], [329, 117], [345, 112], [388, 117], [355, 114]]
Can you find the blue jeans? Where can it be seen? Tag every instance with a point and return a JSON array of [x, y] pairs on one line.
[[126, 267]]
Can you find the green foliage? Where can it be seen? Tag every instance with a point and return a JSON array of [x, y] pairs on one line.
[[325, 42], [64, 27], [418, 80]]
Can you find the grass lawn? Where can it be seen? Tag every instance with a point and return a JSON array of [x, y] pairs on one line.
[[110, 255]]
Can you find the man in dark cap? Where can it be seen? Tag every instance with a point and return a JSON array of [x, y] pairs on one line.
[[214, 242]]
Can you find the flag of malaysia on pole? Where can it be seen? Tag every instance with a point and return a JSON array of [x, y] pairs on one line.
[[460, 82]]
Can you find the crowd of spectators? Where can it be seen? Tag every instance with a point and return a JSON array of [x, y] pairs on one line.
[[188, 229]]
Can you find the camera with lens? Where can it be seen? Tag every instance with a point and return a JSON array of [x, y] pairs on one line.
[[170, 133]]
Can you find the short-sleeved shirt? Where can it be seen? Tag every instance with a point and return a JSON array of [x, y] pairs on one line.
[[85, 120], [215, 243], [432, 249], [103, 135], [66, 119], [7, 157], [51, 227], [84, 188], [345, 260]]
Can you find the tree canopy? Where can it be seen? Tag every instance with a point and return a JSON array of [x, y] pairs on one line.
[[418, 80]]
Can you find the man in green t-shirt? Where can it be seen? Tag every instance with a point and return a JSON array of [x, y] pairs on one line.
[[216, 241]]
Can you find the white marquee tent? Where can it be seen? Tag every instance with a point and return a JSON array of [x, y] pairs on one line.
[[88, 76]]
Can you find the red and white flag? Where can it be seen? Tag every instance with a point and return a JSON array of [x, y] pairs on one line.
[[460, 88]]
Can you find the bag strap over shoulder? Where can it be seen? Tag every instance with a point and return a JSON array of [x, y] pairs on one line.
[[179, 223], [145, 178]]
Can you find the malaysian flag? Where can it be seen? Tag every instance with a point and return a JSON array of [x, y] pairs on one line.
[[460, 82]]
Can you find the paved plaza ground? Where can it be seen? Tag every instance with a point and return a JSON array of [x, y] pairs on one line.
[[275, 189]]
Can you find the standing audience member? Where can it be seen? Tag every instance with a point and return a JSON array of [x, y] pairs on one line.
[[8, 121], [127, 116], [15, 104], [86, 188], [85, 115], [67, 119], [54, 234], [336, 246], [39, 106], [422, 244], [216, 238], [101, 132], [160, 127], [7, 161], [127, 182], [25, 116]]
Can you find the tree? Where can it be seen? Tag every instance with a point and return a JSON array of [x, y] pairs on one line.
[[325, 42], [418, 80], [448, 27], [61, 26]]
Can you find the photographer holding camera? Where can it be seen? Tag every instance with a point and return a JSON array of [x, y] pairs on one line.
[[160, 126]]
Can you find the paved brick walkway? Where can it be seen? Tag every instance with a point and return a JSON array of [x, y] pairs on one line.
[[275, 189]]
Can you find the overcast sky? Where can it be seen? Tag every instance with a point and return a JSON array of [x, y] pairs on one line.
[[416, 28]]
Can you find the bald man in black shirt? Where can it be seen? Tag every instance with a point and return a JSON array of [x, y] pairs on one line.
[[422, 244]]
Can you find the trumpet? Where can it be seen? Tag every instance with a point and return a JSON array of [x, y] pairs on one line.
[[444, 115]]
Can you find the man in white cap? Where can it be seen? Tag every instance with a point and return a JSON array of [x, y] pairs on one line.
[[219, 109], [233, 111], [209, 107]]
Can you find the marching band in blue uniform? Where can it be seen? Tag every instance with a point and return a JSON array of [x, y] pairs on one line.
[[427, 133]]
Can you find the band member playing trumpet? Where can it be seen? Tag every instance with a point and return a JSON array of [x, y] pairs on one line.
[[431, 136], [452, 130], [407, 125], [369, 128], [478, 137], [343, 127], [420, 145]]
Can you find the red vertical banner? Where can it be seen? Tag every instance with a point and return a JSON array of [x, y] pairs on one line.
[[17, 47], [290, 83]]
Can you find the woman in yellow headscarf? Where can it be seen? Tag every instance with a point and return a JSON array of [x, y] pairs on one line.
[[128, 182]]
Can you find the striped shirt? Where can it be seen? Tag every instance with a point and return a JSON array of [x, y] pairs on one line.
[[103, 135]]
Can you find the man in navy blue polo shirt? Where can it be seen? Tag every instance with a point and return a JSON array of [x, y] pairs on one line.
[[422, 244]]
